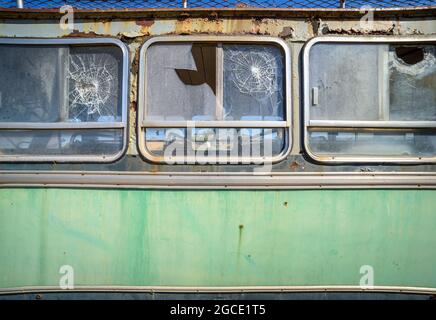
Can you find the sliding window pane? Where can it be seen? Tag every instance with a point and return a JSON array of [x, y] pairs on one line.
[[60, 83]]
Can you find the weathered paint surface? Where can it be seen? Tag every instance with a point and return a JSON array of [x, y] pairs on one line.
[[217, 238]]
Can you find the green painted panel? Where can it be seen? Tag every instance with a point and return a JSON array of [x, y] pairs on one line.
[[217, 238]]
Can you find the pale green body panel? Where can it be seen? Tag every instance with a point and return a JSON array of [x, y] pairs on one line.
[[217, 238]]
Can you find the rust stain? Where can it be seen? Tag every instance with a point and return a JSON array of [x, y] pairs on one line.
[[294, 165], [213, 24], [145, 22], [81, 34], [205, 25], [154, 168], [184, 26], [106, 27], [135, 63], [241, 227]]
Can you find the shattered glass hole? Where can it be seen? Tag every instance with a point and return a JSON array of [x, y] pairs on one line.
[[410, 55], [413, 60]]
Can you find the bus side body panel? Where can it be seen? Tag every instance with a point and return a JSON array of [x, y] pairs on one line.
[[217, 238]]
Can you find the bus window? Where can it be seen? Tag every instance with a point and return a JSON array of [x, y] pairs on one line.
[[370, 100], [213, 101], [62, 99]]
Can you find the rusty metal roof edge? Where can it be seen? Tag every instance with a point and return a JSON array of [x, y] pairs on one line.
[[217, 12]]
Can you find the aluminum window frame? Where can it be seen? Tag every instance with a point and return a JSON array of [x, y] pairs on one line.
[[123, 124], [142, 125], [364, 124]]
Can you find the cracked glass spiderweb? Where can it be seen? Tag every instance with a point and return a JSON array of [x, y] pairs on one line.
[[92, 87], [254, 71], [253, 81]]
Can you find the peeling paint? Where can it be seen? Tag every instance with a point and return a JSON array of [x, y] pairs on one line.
[[355, 28], [298, 29], [145, 22], [287, 32], [410, 26]]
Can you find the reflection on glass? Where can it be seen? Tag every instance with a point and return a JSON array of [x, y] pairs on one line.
[[61, 142], [232, 142], [340, 143]]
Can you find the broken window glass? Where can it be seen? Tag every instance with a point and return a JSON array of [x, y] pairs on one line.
[[181, 80], [195, 81], [60, 85], [412, 82], [372, 99], [253, 82], [94, 84]]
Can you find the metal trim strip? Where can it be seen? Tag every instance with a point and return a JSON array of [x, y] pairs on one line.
[[228, 289], [217, 181]]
